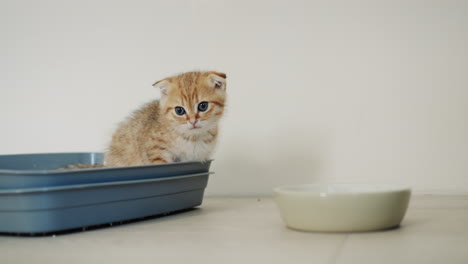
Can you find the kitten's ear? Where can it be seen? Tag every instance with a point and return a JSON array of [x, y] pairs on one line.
[[163, 85], [217, 80]]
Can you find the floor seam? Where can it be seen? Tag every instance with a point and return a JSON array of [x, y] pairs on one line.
[[338, 251]]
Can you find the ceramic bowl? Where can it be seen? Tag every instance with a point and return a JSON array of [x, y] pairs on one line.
[[342, 207]]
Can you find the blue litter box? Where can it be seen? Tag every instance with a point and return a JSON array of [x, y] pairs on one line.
[[37, 198]]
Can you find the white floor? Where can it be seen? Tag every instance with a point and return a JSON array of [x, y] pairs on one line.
[[249, 230]]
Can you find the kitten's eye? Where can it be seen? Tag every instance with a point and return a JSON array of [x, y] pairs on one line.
[[203, 106], [179, 110]]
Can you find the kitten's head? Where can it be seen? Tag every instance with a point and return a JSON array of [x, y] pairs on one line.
[[193, 102]]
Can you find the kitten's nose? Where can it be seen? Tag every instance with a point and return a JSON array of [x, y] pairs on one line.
[[193, 122]]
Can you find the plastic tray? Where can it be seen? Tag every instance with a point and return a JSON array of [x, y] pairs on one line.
[[51, 209], [40, 170]]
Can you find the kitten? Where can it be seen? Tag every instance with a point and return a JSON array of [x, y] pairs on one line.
[[181, 126]]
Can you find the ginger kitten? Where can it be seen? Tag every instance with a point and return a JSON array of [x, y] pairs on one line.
[[181, 126]]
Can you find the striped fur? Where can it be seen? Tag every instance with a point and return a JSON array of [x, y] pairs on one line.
[[156, 134]]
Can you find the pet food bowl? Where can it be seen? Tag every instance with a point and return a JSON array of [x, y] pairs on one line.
[[342, 207]]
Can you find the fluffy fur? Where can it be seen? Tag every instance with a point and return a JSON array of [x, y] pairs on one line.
[[159, 133]]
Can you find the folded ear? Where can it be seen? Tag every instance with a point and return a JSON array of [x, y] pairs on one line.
[[163, 85], [217, 80]]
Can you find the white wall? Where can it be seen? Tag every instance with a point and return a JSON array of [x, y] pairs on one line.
[[319, 91]]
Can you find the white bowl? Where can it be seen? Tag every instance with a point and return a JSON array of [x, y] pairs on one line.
[[342, 207]]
